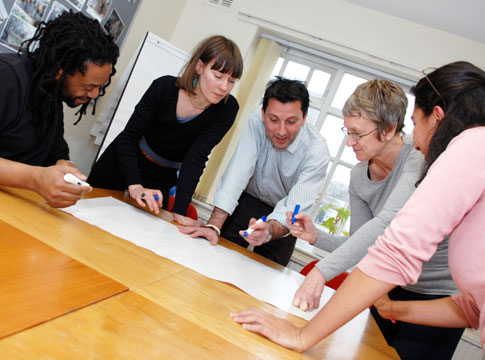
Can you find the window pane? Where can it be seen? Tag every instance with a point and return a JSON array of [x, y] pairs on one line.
[[408, 123], [318, 83], [277, 68], [321, 214], [345, 89], [324, 213], [335, 197], [348, 155], [337, 192], [312, 115], [338, 227], [346, 228], [332, 133], [296, 71]]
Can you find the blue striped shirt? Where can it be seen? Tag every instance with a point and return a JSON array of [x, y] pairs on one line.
[[279, 178]]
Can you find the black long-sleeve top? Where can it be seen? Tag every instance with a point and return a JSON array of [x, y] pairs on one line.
[[20, 139], [190, 143]]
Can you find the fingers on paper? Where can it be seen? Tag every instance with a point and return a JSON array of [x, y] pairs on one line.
[[197, 231]]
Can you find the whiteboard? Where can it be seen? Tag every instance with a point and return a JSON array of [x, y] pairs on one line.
[[156, 58]]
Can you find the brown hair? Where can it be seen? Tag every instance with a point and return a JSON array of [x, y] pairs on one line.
[[225, 54]]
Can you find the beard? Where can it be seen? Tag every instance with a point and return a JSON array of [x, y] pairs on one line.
[[71, 100]]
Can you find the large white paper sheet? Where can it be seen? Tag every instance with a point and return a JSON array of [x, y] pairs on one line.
[[216, 262]]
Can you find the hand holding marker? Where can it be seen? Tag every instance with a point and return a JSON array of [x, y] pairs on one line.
[[156, 197], [249, 231], [71, 179], [297, 209]]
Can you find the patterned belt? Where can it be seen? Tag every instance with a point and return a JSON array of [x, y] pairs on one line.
[[155, 161]]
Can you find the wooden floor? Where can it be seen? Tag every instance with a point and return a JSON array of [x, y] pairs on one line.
[[63, 296]]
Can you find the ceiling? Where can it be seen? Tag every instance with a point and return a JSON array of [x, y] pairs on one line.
[[465, 18]]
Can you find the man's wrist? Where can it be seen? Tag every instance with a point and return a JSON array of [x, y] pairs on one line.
[[34, 178], [268, 239], [278, 230], [215, 228]]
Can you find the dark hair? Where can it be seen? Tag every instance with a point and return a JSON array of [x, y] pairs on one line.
[[69, 42], [225, 54], [285, 91], [462, 89]]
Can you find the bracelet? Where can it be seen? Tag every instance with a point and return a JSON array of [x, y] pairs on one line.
[[215, 228], [390, 315]]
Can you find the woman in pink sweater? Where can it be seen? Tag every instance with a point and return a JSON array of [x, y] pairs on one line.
[[449, 119]]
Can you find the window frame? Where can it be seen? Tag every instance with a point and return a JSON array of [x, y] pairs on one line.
[[337, 68]]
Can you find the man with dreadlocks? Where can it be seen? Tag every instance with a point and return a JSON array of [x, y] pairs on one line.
[[70, 59]]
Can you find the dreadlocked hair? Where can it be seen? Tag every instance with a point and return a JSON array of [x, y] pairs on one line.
[[69, 43]]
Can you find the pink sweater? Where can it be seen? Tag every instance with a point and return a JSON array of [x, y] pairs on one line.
[[450, 200]]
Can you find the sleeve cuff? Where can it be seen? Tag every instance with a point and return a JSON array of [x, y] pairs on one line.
[[225, 202], [281, 218], [468, 308], [374, 270]]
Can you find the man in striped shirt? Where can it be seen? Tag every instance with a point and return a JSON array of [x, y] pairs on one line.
[[280, 161]]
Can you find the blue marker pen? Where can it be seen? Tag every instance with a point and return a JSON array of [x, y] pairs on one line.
[[297, 209], [249, 231]]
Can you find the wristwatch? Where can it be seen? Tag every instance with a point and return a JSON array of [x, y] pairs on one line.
[[269, 236]]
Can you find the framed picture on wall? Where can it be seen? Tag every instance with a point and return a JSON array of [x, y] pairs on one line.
[[3, 12], [98, 8], [20, 18], [30, 11], [78, 4], [114, 25], [15, 32], [56, 10]]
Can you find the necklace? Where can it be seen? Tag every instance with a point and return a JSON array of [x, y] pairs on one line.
[[198, 107]]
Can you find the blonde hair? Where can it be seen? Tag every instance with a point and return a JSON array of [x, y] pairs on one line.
[[381, 101]]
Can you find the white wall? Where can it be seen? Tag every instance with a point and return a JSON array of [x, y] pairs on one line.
[[376, 33], [200, 20], [341, 27]]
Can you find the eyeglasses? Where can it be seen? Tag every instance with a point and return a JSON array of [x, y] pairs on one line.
[[425, 73], [354, 135]]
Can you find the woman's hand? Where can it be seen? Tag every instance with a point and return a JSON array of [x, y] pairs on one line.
[[383, 306], [186, 221], [303, 227], [278, 330], [307, 297], [149, 196]]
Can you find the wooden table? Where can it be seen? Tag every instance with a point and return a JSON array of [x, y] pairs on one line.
[[38, 283], [169, 312]]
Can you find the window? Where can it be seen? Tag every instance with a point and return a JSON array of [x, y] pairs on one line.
[[330, 83]]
